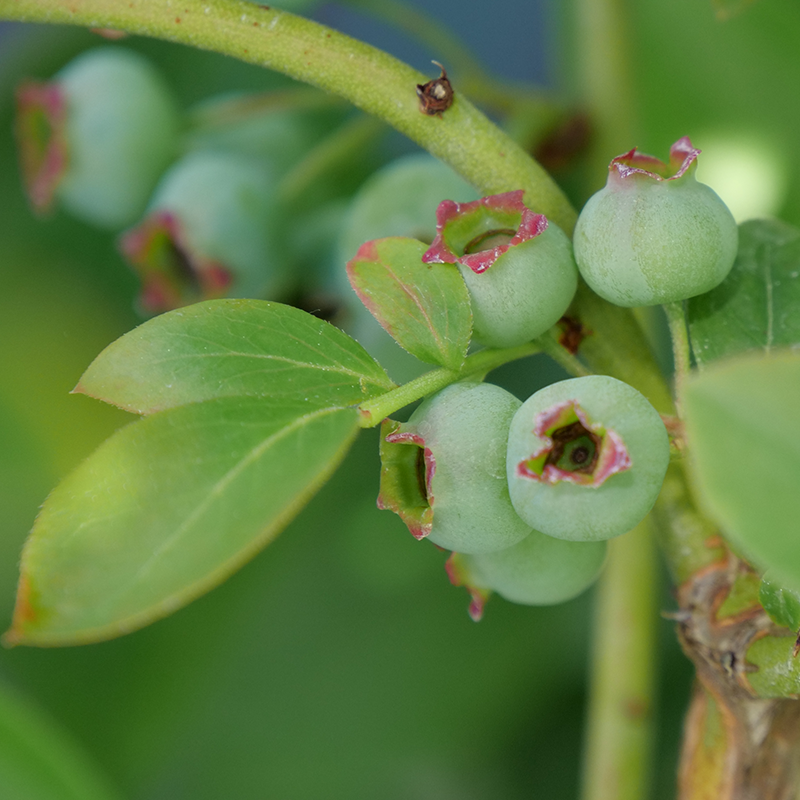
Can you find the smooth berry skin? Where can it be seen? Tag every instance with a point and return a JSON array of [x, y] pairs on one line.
[[586, 513], [122, 131], [518, 267], [525, 292], [465, 428], [538, 571], [644, 240]]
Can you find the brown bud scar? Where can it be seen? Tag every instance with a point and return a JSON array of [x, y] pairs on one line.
[[573, 333], [435, 96]]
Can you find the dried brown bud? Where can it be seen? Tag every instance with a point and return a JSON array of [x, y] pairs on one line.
[[435, 96]]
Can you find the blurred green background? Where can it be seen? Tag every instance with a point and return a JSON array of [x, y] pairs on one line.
[[340, 663]]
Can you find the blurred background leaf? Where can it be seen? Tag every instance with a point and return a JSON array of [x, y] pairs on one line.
[[39, 762]]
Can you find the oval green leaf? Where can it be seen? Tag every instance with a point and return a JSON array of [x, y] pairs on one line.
[[227, 348], [756, 306], [39, 761], [743, 432], [782, 603], [166, 509], [424, 307]]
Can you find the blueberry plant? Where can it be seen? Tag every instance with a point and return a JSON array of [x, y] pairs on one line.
[[278, 270]]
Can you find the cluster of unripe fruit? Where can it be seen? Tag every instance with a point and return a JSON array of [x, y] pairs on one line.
[[527, 494], [524, 494], [197, 209]]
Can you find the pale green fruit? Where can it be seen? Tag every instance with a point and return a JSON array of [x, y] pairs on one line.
[[586, 458], [455, 460], [539, 570], [649, 237], [122, 128]]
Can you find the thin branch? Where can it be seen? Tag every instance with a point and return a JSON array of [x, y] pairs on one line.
[[476, 365]]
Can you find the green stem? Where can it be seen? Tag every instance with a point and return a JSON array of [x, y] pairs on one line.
[[619, 726], [681, 351], [478, 364], [615, 345], [685, 535], [559, 354], [370, 79]]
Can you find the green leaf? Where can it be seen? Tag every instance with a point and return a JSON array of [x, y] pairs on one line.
[[777, 669], [424, 307], [755, 307], [743, 432], [38, 761], [226, 348], [166, 509], [782, 603]]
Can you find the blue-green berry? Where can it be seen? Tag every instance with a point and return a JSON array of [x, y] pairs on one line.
[[654, 234], [444, 470], [518, 267], [586, 458], [97, 136], [540, 570]]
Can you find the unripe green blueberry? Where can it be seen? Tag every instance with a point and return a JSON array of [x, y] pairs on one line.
[[444, 470], [208, 232], [518, 267], [98, 136], [537, 571], [654, 234], [586, 458]]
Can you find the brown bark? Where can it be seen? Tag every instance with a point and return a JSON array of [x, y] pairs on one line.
[[737, 746]]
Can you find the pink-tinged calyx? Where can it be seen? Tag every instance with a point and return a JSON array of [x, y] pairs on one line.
[[476, 234], [682, 161], [40, 129], [574, 449], [407, 469], [459, 575], [172, 274]]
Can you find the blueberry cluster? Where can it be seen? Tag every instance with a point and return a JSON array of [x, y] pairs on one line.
[[525, 494], [193, 196]]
